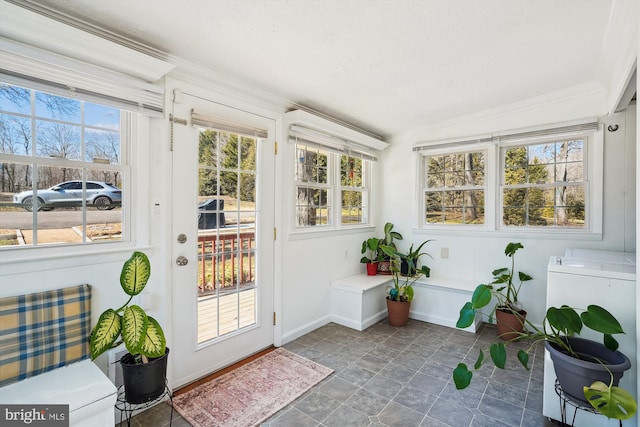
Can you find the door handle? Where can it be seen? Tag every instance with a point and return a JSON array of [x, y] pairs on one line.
[[182, 261]]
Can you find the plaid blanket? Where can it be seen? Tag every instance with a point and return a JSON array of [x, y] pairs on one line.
[[43, 331]]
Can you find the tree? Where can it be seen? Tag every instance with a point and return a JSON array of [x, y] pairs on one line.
[[208, 160], [523, 206]]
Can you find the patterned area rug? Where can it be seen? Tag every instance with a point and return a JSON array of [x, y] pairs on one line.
[[251, 393]]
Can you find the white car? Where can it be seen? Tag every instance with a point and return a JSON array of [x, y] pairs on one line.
[[102, 195]]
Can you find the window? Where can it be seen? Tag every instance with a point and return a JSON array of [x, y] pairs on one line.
[[544, 184], [455, 188], [321, 175], [63, 155], [541, 180]]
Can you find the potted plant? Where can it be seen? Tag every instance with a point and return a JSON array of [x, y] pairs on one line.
[[409, 261], [372, 245], [509, 314], [399, 296], [384, 263], [144, 367], [587, 371]]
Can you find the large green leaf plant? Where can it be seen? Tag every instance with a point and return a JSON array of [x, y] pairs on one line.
[[558, 323], [141, 334]]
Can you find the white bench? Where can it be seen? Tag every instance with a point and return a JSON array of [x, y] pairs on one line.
[[358, 301], [91, 396]]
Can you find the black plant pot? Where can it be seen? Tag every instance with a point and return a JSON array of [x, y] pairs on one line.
[[573, 374], [404, 268], [144, 382]]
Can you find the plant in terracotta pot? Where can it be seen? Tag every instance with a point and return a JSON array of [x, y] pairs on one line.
[[588, 371], [509, 314], [372, 246], [400, 295], [142, 335], [390, 236]]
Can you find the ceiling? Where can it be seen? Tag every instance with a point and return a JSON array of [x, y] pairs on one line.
[[387, 66]]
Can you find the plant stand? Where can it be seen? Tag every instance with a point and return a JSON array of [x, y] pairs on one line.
[[566, 400], [129, 408]]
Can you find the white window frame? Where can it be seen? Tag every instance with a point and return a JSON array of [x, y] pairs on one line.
[[128, 122], [594, 173], [334, 188], [424, 188]]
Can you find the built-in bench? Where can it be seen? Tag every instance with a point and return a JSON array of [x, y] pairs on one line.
[[358, 301], [44, 351]]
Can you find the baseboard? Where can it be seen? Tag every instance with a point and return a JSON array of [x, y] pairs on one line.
[[305, 329]]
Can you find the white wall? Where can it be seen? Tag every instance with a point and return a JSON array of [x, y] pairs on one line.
[[475, 255]]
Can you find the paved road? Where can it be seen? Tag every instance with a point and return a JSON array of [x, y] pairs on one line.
[[57, 218]]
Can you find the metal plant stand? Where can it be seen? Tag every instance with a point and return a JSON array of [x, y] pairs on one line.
[[566, 400], [129, 408]]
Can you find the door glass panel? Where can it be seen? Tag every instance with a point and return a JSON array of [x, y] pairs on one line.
[[226, 215]]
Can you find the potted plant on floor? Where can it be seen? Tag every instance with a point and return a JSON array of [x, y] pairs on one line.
[[399, 296], [390, 236], [588, 372], [144, 368], [509, 314], [372, 245]]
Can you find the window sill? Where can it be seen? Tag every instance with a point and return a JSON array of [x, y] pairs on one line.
[[511, 233], [38, 258], [329, 232]]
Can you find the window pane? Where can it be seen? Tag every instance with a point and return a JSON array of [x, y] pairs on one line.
[[352, 207], [57, 140], [435, 180], [57, 107], [248, 148], [207, 151], [434, 205], [15, 135], [311, 206], [102, 146], [351, 171], [312, 165], [473, 207], [15, 99], [101, 116]]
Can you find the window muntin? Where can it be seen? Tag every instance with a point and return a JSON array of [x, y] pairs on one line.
[[353, 190], [454, 189], [331, 188], [51, 150], [544, 184], [313, 186]]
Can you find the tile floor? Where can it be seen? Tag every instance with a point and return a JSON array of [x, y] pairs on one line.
[[386, 376]]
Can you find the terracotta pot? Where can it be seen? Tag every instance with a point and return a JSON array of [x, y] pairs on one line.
[[372, 268], [398, 312], [509, 323]]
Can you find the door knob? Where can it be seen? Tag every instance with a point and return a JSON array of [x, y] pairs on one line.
[[181, 261]]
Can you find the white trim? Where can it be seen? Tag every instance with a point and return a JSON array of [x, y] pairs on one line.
[[22, 25], [331, 130]]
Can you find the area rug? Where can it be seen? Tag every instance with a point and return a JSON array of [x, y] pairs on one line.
[[250, 393]]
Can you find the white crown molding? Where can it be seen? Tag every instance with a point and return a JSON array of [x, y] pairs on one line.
[[619, 51], [590, 96], [39, 31], [333, 129]]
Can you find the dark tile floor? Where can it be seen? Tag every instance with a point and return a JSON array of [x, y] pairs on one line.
[[386, 376]]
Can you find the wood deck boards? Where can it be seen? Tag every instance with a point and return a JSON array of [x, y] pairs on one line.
[[231, 318]]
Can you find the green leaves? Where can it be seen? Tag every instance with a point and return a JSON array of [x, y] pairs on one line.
[[105, 333], [480, 298], [599, 319], [135, 273], [498, 354], [141, 334], [613, 402], [512, 248], [564, 319], [462, 376]]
